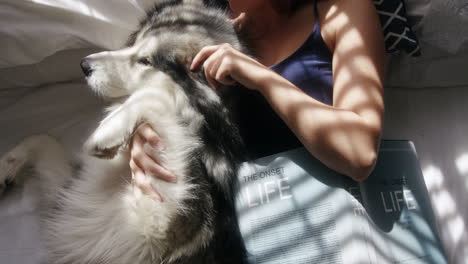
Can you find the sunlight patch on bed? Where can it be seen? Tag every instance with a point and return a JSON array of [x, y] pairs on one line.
[[462, 164], [450, 221]]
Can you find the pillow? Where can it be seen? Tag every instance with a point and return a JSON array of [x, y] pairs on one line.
[[397, 32]]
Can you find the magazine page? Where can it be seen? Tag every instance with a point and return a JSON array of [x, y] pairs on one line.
[[293, 209]]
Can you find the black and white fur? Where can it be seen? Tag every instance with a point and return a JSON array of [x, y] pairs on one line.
[[97, 216]]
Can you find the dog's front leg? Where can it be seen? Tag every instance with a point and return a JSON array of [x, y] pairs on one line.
[[111, 133], [117, 128]]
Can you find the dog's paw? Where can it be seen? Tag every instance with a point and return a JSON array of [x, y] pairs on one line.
[[103, 145], [112, 133], [103, 153]]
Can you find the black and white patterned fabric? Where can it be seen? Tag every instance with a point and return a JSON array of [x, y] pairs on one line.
[[397, 32]]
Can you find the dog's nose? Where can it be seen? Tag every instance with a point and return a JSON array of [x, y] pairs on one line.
[[86, 67]]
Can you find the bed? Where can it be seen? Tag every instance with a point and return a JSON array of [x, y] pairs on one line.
[[42, 91]]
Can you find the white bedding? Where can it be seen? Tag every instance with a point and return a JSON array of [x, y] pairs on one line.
[[41, 91]]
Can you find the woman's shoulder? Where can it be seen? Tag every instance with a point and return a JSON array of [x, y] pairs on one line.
[[335, 16], [327, 11]]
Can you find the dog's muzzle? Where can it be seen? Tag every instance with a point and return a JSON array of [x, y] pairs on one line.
[[86, 67]]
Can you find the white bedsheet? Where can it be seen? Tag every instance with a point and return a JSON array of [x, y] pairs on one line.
[[40, 92], [40, 28]]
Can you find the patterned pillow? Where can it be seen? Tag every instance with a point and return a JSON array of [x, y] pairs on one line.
[[397, 31]]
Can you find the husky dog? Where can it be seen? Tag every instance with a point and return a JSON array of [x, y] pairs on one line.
[[96, 215]]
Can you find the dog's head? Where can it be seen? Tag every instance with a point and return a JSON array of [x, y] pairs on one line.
[[170, 35]]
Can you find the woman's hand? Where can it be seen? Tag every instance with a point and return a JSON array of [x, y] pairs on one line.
[[143, 164], [226, 65], [219, 63]]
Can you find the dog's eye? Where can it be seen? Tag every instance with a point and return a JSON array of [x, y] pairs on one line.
[[145, 61]]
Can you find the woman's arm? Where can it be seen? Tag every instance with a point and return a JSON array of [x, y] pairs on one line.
[[345, 136]]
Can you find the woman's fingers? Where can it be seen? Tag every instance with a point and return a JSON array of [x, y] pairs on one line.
[[143, 183], [145, 147], [218, 66], [147, 161], [217, 63], [223, 73], [147, 133], [201, 56]]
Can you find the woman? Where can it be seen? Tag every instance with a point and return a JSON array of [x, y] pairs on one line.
[[324, 84]]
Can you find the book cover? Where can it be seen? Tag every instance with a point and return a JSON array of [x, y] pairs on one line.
[[293, 209]]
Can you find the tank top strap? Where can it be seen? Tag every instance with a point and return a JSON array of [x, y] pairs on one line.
[[316, 12]]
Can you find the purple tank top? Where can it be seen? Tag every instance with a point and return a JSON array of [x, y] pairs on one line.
[[310, 66], [310, 69]]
